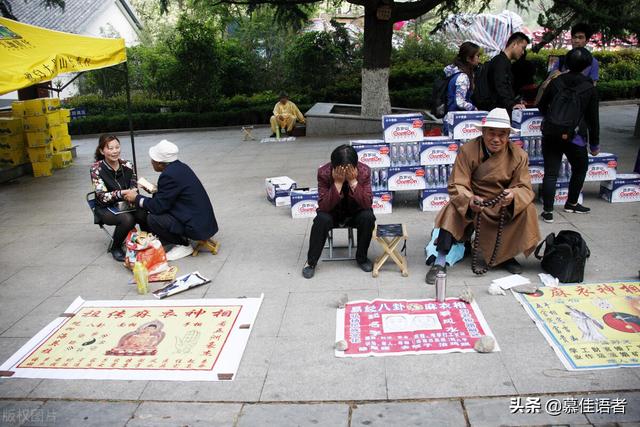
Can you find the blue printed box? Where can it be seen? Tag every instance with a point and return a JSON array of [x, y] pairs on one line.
[[304, 202], [373, 152], [403, 127], [528, 121]]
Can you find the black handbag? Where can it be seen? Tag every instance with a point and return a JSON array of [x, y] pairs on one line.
[[565, 256]]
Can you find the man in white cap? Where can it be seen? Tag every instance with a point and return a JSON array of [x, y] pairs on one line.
[[484, 169], [181, 209]]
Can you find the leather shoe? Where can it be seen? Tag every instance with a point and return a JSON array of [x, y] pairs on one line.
[[512, 266], [433, 272], [117, 254], [308, 271], [366, 265]]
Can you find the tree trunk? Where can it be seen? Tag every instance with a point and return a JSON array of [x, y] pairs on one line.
[[375, 67]]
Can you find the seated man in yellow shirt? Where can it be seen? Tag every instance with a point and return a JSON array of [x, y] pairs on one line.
[[285, 115]]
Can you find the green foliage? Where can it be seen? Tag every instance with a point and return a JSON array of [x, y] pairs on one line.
[[623, 70], [428, 50], [619, 89]]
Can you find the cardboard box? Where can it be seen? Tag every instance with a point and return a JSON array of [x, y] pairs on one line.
[[382, 202], [62, 144], [527, 121], [536, 170], [438, 150], [403, 127], [602, 167], [62, 160], [40, 154], [59, 131], [460, 125], [41, 123], [405, 153], [562, 193], [379, 179], [406, 178], [40, 106], [12, 142], [10, 126], [433, 199], [65, 115], [279, 190], [17, 108], [11, 158], [38, 139], [625, 188], [372, 152], [304, 202], [42, 168]]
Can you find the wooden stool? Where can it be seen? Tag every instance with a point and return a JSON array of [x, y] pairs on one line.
[[390, 246], [247, 133], [209, 245]]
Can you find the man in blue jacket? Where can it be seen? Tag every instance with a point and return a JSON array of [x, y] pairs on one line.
[[181, 209]]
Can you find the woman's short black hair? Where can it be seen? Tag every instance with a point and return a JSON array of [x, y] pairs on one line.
[[578, 59], [344, 155]]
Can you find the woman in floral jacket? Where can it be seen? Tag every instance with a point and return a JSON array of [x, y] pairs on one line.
[[112, 179]]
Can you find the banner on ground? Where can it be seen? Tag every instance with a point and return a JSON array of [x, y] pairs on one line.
[[392, 327], [589, 326], [181, 340]]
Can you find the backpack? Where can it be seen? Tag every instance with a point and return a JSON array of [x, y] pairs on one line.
[[482, 96], [565, 111], [440, 95], [565, 256]]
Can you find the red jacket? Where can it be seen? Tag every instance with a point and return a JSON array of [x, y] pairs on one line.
[[347, 202]]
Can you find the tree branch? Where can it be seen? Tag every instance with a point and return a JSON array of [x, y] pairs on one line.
[[5, 10], [256, 2], [411, 10]]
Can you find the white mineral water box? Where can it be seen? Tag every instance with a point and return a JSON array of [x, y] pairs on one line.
[[602, 167], [403, 127], [279, 190], [304, 202], [406, 178], [461, 125], [433, 199], [536, 170], [382, 201], [438, 150], [625, 188], [528, 121], [562, 194], [372, 152]]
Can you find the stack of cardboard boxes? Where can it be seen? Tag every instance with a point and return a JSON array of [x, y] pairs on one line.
[[13, 151], [46, 134]]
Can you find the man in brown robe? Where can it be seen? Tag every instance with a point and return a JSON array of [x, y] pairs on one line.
[[484, 168]]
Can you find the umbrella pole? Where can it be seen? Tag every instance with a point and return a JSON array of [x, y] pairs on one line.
[[133, 145]]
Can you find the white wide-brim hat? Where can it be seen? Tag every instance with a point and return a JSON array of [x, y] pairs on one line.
[[497, 118], [164, 152]]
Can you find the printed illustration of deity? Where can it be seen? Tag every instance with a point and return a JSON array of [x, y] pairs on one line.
[[141, 342]]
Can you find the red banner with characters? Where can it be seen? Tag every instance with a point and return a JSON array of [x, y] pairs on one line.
[[390, 327]]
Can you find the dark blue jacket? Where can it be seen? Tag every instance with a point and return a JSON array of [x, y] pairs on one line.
[[181, 194]]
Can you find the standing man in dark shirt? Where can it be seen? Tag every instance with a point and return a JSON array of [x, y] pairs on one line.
[[344, 198], [556, 142], [500, 76]]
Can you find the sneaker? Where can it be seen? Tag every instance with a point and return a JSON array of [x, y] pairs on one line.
[[577, 208], [179, 251], [366, 265], [273, 135], [308, 271], [547, 217], [117, 254], [512, 266], [433, 272]]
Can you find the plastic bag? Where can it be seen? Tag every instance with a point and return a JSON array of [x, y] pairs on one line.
[[145, 248]]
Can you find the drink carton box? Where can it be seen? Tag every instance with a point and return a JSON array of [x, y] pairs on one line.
[[460, 125], [602, 167], [373, 153], [562, 193], [10, 126], [406, 178], [433, 199], [382, 201], [536, 170], [403, 127], [438, 150], [625, 188], [279, 190], [528, 121], [304, 202]]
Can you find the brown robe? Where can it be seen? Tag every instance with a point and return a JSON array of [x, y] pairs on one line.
[[487, 179]]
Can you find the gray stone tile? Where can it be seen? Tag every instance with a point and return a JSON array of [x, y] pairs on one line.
[[445, 413], [38, 318], [614, 407], [499, 411], [152, 414], [69, 413], [292, 415], [88, 389], [14, 387], [109, 280], [303, 370], [22, 412]]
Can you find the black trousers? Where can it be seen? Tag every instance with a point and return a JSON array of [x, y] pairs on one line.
[[364, 221], [124, 223], [168, 229], [552, 151]]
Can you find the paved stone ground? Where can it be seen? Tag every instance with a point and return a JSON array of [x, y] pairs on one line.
[[50, 253]]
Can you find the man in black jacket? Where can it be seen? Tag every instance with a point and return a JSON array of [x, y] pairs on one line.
[[181, 209], [557, 141], [500, 76]]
